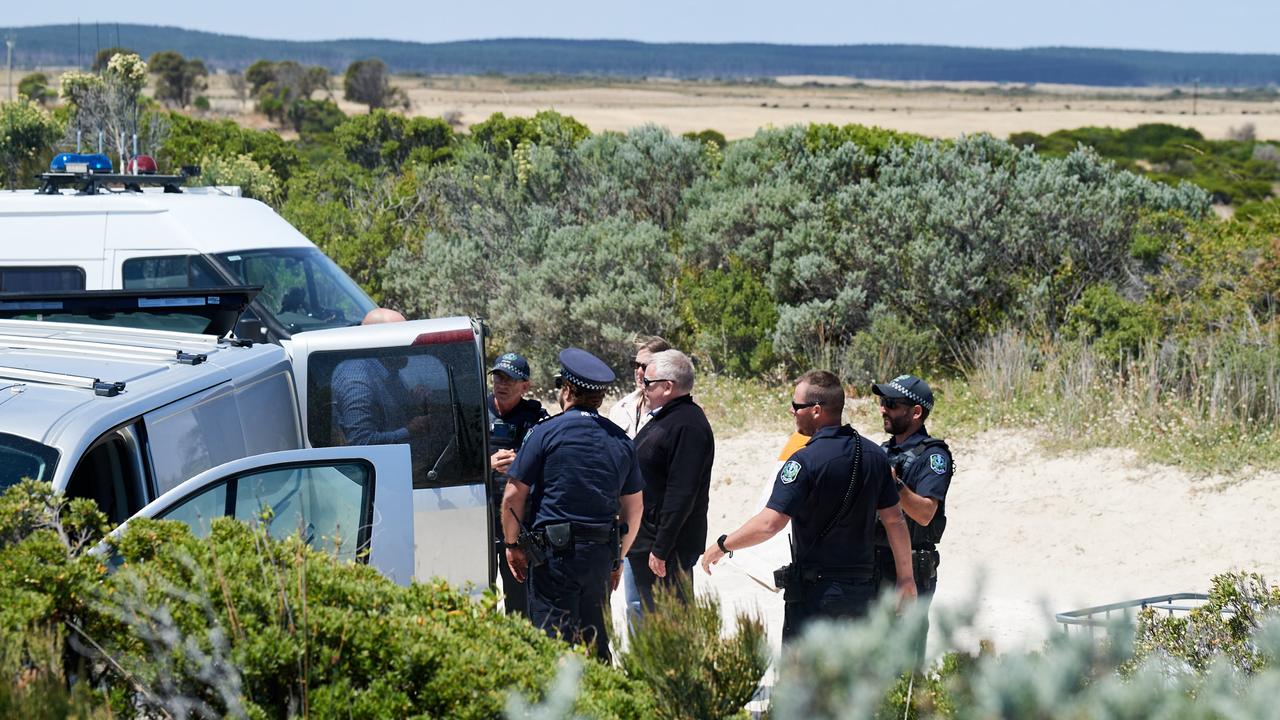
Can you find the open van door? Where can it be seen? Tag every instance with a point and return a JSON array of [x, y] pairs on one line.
[[353, 502], [421, 383]]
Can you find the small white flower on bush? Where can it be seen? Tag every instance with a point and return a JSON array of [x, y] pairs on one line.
[[129, 68]]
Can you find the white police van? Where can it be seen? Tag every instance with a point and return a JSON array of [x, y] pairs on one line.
[[86, 230], [193, 425]]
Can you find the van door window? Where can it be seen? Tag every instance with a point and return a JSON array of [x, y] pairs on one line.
[[426, 396], [301, 287], [41, 279], [111, 474], [330, 505], [21, 458], [170, 271]]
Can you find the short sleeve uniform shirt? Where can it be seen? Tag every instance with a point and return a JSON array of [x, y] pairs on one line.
[[811, 486]]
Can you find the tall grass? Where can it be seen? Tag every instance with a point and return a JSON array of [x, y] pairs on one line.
[[1210, 404]]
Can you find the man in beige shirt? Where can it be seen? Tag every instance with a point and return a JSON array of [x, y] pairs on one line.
[[632, 412]]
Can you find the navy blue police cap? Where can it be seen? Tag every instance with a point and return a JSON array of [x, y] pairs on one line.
[[512, 365], [907, 387], [584, 370]]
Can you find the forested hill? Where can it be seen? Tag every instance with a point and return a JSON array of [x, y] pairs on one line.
[[67, 45]]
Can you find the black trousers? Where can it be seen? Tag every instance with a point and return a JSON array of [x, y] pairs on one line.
[[833, 599], [568, 596]]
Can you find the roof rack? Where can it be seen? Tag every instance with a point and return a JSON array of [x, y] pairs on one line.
[[100, 388], [90, 182]]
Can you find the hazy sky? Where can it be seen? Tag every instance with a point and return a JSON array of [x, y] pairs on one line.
[[1250, 26]]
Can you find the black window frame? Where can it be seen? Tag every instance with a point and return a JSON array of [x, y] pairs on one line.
[[78, 270]]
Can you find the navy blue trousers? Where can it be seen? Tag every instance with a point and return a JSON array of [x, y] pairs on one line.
[[568, 596], [832, 599]]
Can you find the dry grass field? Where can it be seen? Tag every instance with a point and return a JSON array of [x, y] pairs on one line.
[[739, 109]]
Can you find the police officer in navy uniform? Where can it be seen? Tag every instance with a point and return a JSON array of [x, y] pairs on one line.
[[832, 513], [511, 417], [922, 468], [580, 471]]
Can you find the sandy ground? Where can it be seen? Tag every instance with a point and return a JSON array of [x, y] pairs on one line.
[[740, 109], [1038, 533]]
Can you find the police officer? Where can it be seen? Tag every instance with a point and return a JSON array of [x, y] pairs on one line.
[[922, 468], [511, 417], [580, 471], [832, 511]]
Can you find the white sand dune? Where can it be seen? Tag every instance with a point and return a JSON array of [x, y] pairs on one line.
[[1043, 533]]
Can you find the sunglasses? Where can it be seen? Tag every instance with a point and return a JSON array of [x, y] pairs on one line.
[[894, 403], [797, 407], [648, 381], [637, 365]]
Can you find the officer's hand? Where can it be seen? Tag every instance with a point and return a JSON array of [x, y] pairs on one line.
[[906, 592], [710, 557], [657, 565], [418, 426], [615, 576], [518, 563], [500, 460]]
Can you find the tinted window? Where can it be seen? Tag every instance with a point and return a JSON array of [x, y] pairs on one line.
[[41, 279], [172, 271], [22, 458], [428, 396], [301, 287]]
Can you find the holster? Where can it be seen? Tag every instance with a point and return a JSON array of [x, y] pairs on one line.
[[559, 537], [790, 579], [924, 563]]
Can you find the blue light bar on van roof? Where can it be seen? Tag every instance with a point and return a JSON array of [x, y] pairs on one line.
[[80, 163]]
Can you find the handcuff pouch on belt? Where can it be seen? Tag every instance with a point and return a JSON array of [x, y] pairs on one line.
[[792, 577]]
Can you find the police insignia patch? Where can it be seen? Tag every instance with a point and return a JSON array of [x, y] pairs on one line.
[[789, 472], [937, 464]]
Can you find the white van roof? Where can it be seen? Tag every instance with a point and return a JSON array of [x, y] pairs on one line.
[[47, 369], [36, 227]]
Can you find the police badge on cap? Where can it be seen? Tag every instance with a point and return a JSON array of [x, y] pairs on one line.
[[512, 365], [907, 387]]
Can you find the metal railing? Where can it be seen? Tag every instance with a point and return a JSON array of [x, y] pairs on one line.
[[1100, 615]]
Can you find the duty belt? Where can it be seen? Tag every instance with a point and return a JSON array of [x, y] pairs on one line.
[[590, 533], [860, 572]]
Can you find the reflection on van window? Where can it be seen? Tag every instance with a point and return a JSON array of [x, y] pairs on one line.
[[427, 396], [323, 503], [172, 271], [41, 279], [22, 458], [329, 505], [301, 287], [199, 510]]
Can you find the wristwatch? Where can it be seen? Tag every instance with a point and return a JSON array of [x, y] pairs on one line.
[[510, 546], [720, 544]]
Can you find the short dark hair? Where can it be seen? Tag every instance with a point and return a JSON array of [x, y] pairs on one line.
[[652, 343], [590, 399], [825, 389]]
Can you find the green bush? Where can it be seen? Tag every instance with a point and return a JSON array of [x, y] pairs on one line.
[[1115, 326], [190, 139], [678, 652], [384, 139], [727, 319], [240, 624]]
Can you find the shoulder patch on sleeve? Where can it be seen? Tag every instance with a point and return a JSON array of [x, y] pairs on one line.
[[789, 471], [938, 464]]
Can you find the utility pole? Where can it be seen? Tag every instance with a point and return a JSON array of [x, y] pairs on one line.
[[1195, 95]]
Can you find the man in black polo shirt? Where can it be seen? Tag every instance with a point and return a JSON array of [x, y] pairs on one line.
[[832, 512], [675, 450]]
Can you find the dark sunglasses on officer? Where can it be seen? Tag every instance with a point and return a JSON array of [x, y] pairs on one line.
[[894, 403]]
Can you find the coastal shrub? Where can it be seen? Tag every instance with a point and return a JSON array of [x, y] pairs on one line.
[[678, 651], [239, 624]]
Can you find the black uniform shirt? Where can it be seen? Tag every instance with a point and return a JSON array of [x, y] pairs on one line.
[[508, 431], [811, 486], [928, 474], [578, 464]]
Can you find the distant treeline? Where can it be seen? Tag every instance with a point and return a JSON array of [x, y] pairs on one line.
[[68, 45]]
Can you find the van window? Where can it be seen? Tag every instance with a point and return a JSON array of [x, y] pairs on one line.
[[170, 271], [22, 458], [41, 279], [301, 287], [426, 396], [330, 505], [111, 475]]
